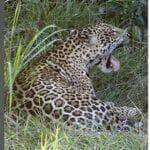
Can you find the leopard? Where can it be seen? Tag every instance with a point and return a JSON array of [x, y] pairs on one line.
[[57, 86]]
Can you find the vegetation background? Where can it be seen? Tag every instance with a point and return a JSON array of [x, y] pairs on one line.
[[31, 29]]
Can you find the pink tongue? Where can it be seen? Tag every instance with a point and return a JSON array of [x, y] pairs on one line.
[[115, 63]]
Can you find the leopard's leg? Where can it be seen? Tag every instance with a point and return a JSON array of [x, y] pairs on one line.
[[126, 117], [79, 109]]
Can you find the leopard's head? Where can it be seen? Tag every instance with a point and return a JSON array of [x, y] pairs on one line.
[[102, 39]]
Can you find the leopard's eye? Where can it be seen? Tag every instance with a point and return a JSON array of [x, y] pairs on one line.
[[129, 35]]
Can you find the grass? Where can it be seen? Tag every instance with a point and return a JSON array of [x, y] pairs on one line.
[[129, 85], [34, 26], [36, 135]]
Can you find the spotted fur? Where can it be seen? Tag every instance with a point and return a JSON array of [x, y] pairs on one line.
[[57, 86]]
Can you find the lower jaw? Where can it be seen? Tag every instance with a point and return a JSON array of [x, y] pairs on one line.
[[111, 65], [106, 70], [115, 63]]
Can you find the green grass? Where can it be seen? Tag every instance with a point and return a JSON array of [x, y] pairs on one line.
[[129, 85], [33, 27], [35, 135]]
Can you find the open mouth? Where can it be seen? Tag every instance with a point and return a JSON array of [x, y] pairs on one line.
[[113, 63]]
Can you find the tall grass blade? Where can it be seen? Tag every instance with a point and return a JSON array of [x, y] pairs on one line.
[[43, 141], [10, 75], [41, 50], [10, 85], [32, 50], [55, 143], [29, 46], [15, 20], [17, 62]]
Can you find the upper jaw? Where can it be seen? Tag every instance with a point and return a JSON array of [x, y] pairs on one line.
[[118, 42]]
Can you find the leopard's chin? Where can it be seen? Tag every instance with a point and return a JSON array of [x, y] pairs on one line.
[[112, 64]]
